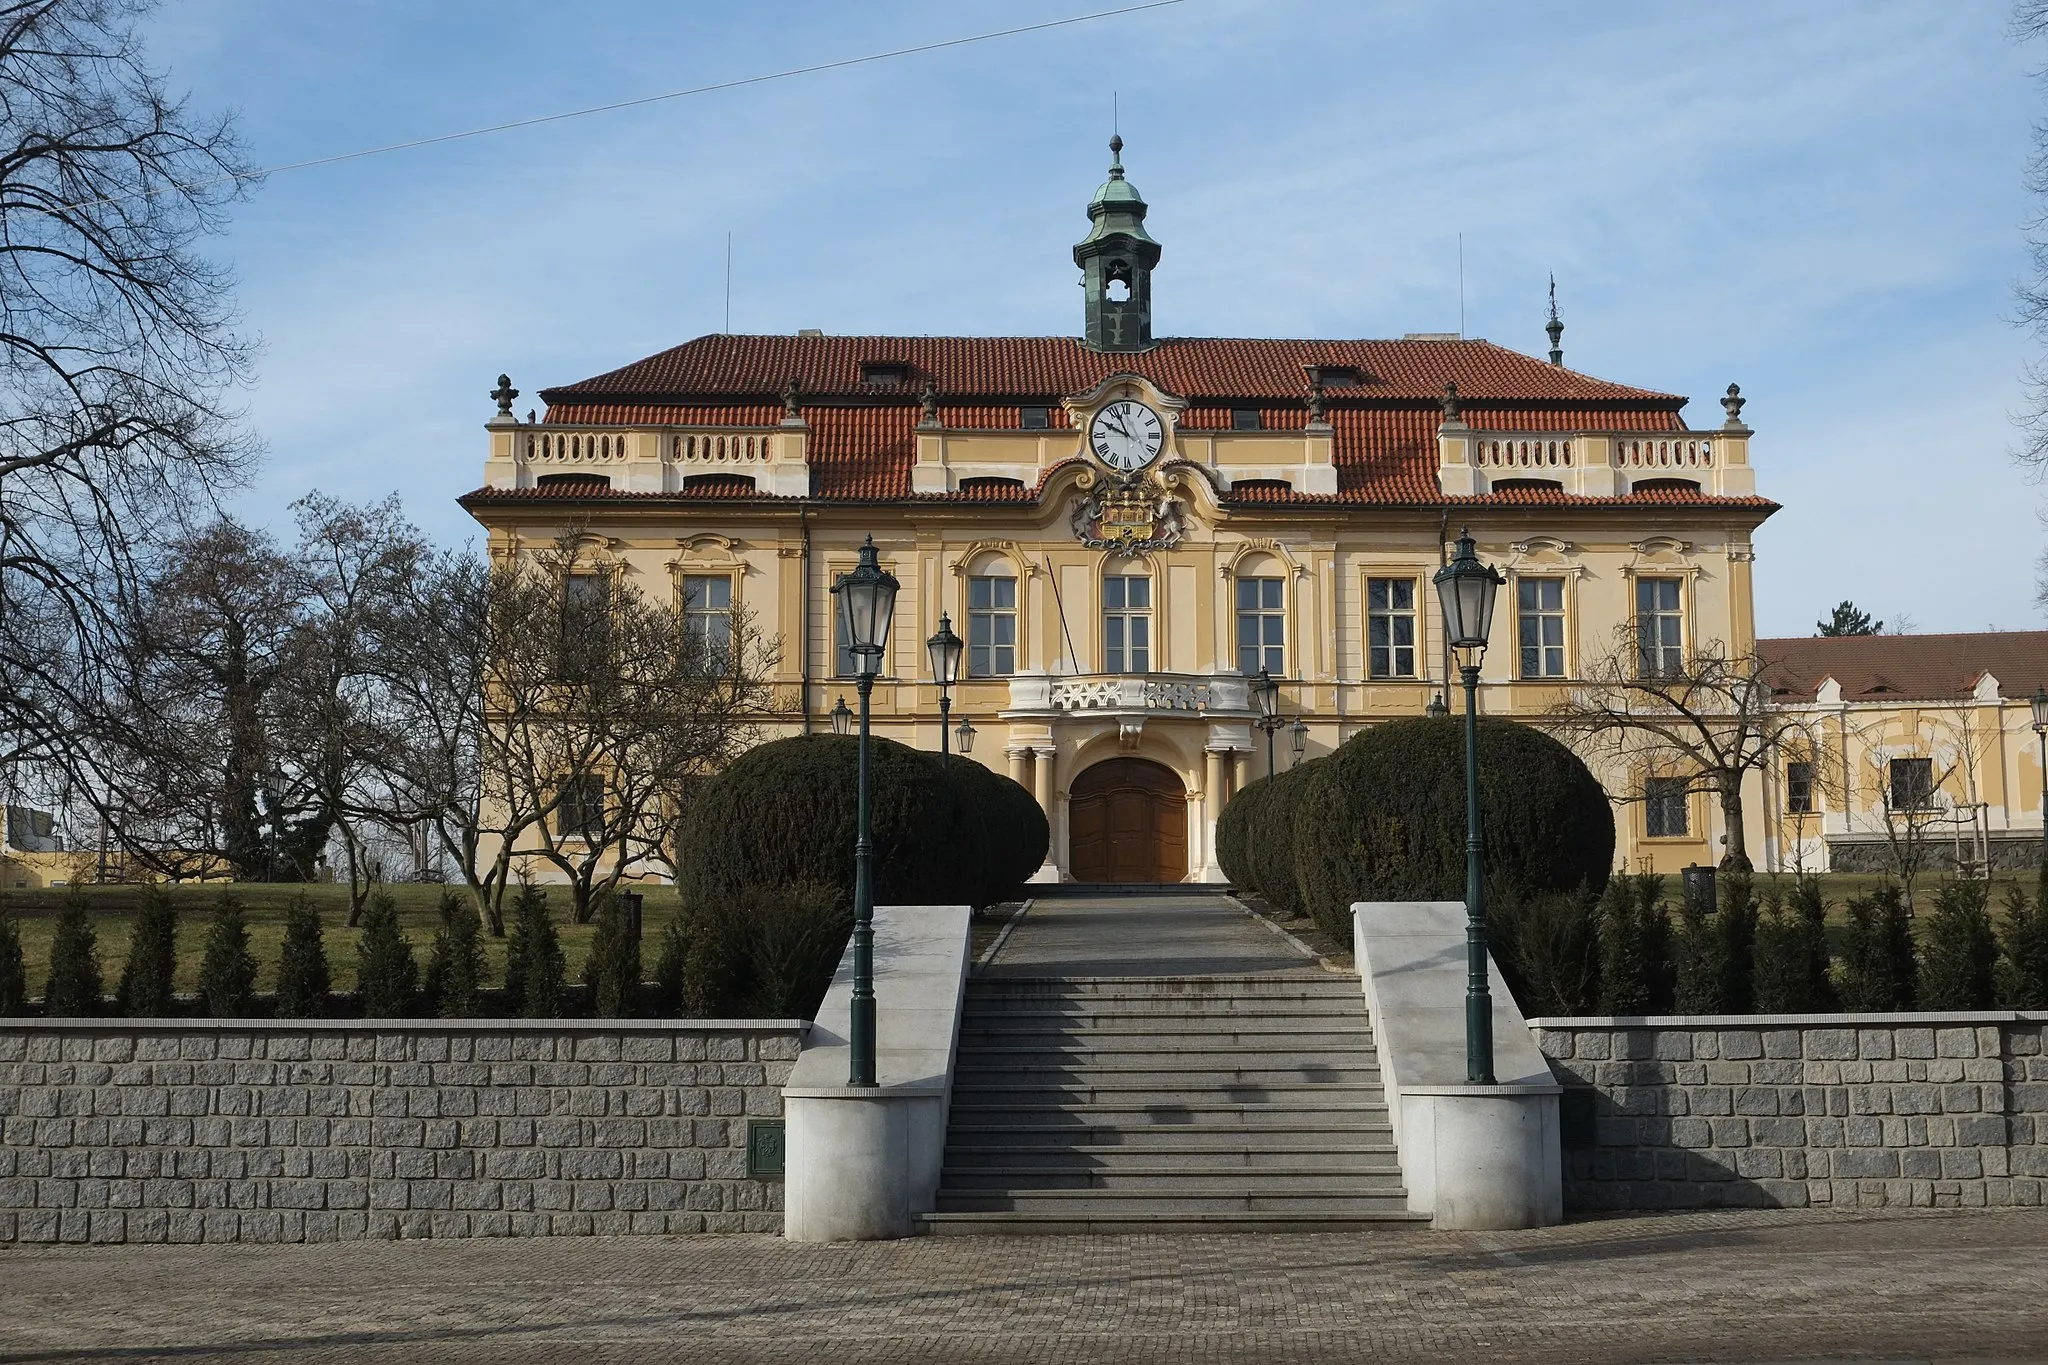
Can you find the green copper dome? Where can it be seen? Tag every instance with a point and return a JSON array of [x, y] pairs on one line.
[[1117, 207]]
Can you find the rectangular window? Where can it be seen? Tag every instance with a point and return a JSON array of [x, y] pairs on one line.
[[1665, 808], [1034, 419], [1390, 627], [845, 663], [1799, 788], [1127, 624], [586, 624], [579, 808], [1261, 626], [1539, 623], [1912, 783], [707, 613], [991, 627], [1246, 419], [1660, 634]]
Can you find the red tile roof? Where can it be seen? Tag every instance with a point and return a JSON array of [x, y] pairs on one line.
[[1907, 667], [1050, 368], [863, 439]]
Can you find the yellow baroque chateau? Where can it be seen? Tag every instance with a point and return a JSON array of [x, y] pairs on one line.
[[1125, 528]]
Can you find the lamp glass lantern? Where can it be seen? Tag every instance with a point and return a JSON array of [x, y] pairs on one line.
[[945, 649], [867, 603], [842, 718], [964, 736], [1266, 692], [2040, 704], [1466, 590], [1297, 737]]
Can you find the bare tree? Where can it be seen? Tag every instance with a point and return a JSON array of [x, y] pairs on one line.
[[1708, 721], [554, 712], [2030, 21], [116, 351]]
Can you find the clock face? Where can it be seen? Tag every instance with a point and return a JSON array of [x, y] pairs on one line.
[[1126, 435]]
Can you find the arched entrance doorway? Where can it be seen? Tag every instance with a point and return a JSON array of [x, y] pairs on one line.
[[1127, 821]]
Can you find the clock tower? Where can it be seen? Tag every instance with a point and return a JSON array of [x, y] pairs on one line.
[[1116, 260]]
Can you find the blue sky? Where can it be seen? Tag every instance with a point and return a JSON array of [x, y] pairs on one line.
[[1822, 202]]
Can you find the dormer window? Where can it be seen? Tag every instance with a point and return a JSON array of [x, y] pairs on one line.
[[1034, 418], [884, 373], [1246, 419], [1337, 376]]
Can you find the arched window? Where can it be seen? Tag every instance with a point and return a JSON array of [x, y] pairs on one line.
[[992, 619], [1127, 623]]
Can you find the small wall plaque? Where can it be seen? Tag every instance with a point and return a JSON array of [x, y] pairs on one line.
[[764, 1149]]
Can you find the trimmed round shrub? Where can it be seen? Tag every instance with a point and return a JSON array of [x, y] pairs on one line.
[[1383, 818], [784, 813], [1255, 836], [1234, 834], [1016, 830]]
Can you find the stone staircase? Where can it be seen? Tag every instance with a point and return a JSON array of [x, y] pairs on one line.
[[1167, 1103]]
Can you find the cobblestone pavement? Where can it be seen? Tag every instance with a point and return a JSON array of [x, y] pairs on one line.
[[1749, 1286], [1197, 934]]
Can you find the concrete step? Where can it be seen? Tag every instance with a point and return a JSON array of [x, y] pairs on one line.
[[1303, 981], [1214, 1068], [1303, 1036], [1113, 1221], [1392, 1199], [1153, 1092], [1270, 1139], [1020, 1180], [1206, 1116], [1324, 1157]]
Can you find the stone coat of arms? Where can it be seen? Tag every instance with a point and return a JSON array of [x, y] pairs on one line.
[[1127, 516]]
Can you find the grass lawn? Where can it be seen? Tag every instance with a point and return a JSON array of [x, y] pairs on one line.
[[264, 904]]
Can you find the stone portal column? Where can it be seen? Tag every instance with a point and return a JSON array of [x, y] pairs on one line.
[[1020, 766], [1214, 797], [1045, 757]]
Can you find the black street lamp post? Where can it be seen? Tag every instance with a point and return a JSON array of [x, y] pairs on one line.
[[1466, 588], [2041, 731], [1266, 692], [867, 600], [945, 648]]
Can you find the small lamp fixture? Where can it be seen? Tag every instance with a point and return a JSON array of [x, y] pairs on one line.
[[1438, 708], [842, 717], [945, 649], [964, 736], [867, 602], [1266, 692], [1466, 589], [2041, 709], [1297, 737]]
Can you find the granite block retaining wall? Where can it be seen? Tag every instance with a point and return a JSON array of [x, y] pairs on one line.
[[1844, 1110], [131, 1130]]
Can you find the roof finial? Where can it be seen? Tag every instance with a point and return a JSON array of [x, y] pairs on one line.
[[1555, 327], [1454, 410], [1732, 405], [504, 394], [928, 404], [1116, 156], [790, 392]]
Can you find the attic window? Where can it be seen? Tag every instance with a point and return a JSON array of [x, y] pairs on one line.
[[1246, 419], [595, 483], [1337, 376], [884, 372], [991, 485], [1509, 485], [1665, 486], [1254, 487], [1034, 418], [718, 483]]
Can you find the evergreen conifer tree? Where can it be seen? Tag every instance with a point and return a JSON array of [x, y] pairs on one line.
[[387, 974], [1959, 954], [1792, 953], [13, 978], [1624, 972], [536, 979], [1735, 943], [613, 969], [75, 983], [227, 974], [455, 968], [1878, 969], [2023, 952], [303, 980], [147, 988], [1702, 974]]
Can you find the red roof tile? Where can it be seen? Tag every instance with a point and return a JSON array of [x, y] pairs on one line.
[[1049, 368], [1907, 667]]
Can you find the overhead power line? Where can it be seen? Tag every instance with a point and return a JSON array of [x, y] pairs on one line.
[[712, 88]]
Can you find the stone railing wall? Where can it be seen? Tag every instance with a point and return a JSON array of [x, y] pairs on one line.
[[131, 1130], [1848, 1111]]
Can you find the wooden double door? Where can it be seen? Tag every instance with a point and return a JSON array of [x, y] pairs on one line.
[[1127, 821]]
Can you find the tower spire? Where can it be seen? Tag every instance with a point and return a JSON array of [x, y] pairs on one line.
[[1116, 260], [1555, 327]]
